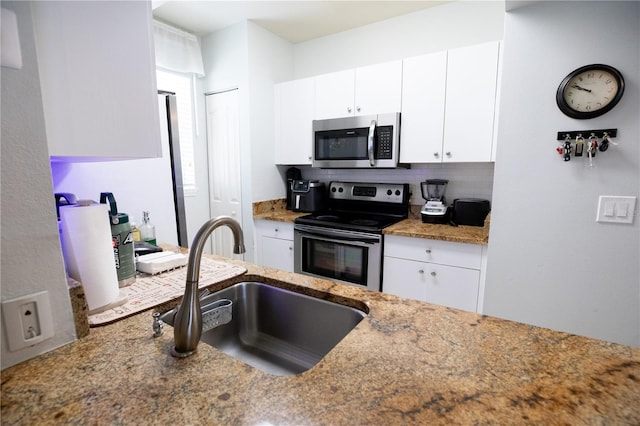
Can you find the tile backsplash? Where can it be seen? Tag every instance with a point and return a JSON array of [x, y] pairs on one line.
[[466, 180]]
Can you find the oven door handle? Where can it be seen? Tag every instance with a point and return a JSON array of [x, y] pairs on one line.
[[370, 140], [363, 240]]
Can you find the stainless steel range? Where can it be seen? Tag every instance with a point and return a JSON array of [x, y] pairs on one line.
[[344, 242]]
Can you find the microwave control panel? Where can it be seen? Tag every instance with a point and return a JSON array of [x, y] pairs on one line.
[[385, 143]]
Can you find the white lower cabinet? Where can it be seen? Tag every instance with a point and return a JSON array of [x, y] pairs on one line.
[[439, 272], [275, 244]]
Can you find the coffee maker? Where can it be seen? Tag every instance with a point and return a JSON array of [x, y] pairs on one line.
[[293, 174], [435, 209]]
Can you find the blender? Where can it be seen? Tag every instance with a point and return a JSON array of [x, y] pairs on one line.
[[435, 209]]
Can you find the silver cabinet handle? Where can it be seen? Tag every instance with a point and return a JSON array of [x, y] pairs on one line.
[[358, 108], [433, 273], [349, 110], [436, 154], [448, 154], [372, 131]]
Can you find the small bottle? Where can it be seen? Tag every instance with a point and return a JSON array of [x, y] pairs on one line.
[[136, 231], [147, 230]]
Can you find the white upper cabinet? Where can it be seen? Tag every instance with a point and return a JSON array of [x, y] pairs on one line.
[[378, 88], [470, 103], [294, 111], [366, 90], [449, 104], [97, 73], [335, 94], [423, 95]]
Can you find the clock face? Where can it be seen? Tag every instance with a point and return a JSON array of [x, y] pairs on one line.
[[590, 91]]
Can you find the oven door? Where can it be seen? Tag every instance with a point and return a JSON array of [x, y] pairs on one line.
[[348, 257]]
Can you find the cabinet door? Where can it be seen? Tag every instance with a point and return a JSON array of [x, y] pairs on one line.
[[432, 283], [378, 88], [423, 94], [295, 111], [470, 103], [335, 94], [403, 278], [277, 253], [452, 286], [97, 73]]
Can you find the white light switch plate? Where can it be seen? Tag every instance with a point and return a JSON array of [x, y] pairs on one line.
[[616, 209]]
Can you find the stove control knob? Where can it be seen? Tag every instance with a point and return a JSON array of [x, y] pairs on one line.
[[333, 189], [389, 192], [398, 192], [340, 189]]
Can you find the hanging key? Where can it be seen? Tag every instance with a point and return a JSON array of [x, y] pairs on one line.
[[604, 145]]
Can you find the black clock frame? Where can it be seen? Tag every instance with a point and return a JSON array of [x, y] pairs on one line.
[[567, 110]]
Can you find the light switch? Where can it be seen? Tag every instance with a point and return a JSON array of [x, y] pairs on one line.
[[609, 208], [616, 209], [621, 210]]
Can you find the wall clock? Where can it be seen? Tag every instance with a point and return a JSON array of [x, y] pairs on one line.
[[590, 91]]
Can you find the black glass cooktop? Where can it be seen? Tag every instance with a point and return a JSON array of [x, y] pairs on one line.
[[364, 222]]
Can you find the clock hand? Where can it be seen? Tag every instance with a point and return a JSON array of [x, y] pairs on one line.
[[575, 86]]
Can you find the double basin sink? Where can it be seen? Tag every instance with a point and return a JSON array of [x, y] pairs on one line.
[[275, 330]]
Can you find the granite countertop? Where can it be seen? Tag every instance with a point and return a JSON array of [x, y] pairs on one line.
[[407, 362], [412, 227]]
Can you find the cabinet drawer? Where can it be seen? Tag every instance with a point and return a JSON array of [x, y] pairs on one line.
[[441, 252], [432, 283], [273, 229]]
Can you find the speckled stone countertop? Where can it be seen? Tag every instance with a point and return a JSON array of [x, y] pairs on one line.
[[407, 362], [412, 227], [460, 234]]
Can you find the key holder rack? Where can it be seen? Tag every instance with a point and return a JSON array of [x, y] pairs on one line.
[[576, 141]]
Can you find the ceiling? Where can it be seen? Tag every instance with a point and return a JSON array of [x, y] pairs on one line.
[[295, 21]]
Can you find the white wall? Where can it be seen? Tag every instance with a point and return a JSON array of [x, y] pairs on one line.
[[438, 28], [197, 205], [550, 263], [270, 61], [30, 246], [247, 57]]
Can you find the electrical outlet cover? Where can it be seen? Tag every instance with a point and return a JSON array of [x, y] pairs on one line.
[[27, 320]]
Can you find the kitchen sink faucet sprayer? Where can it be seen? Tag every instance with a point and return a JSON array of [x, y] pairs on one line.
[[187, 327]]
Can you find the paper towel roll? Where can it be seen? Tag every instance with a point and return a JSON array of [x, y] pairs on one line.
[[88, 253]]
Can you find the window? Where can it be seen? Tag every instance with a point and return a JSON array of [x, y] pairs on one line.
[[181, 85]]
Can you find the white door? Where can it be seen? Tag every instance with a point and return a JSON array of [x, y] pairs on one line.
[[225, 187]]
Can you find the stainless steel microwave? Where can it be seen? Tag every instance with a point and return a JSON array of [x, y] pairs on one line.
[[366, 141]]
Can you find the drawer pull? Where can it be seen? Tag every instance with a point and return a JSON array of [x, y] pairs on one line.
[[421, 271], [433, 273], [428, 251]]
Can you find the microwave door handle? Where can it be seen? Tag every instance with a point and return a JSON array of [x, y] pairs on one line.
[[370, 140], [323, 237]]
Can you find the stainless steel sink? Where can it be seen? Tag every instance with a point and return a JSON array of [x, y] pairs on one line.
[[275, 330]]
